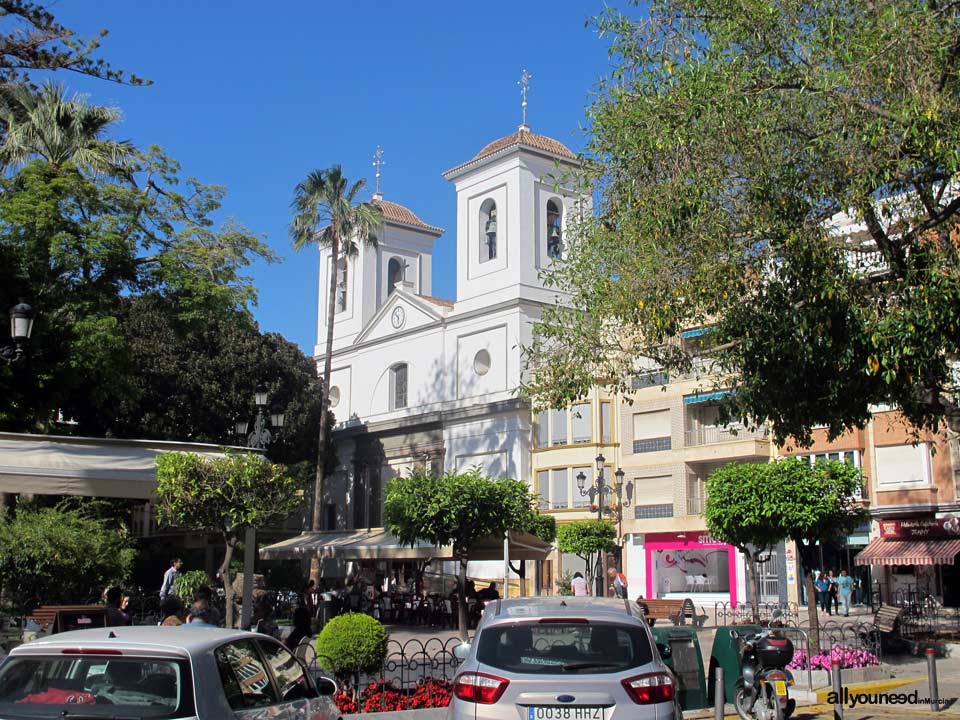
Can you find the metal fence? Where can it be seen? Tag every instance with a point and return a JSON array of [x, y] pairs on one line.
[[742, 613]]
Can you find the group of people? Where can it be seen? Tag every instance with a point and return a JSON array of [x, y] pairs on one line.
[[835, 592], [618, 584]]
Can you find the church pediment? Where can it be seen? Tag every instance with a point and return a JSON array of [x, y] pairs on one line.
[[403, 311]]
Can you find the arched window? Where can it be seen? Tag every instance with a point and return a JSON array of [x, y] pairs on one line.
[[398, 386], [341, 284], [554, 230], [395, 271], [488, 231]]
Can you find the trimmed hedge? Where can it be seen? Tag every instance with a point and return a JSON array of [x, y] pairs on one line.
[[352, 643]]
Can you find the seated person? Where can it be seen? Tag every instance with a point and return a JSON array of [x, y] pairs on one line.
[[488, 593]]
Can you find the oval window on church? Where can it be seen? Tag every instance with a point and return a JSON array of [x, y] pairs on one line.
[[481, 362], [334, 396]]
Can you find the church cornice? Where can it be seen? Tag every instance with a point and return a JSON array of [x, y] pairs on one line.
[[433, 418]]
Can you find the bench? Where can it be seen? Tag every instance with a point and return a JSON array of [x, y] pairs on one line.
[[676, 611], [886, 624], [51, 617]]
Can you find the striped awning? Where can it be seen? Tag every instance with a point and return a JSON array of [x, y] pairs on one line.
[[881, 551]]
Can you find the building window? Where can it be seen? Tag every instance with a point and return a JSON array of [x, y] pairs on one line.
[[488, 231], [543, 429], [558, 489], [558, 427], [581, 419], [651, 431], [543, 489], [606, 431], [395, 270], [341, 284], [398, 387], [554, 231], [481, 362], [903, 465], [650, 512]]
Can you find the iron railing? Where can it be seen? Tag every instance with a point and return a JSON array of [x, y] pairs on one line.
[[710, 434]]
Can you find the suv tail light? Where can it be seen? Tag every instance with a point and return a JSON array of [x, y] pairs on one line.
[[479, 687], [651, 688]]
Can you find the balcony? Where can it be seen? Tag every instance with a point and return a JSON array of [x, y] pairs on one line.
[[710, 434], [718, 444]]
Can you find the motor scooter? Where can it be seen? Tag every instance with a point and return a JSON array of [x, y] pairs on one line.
[[762, 689]]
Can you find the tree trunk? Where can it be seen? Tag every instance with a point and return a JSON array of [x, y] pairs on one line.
[[462, 597], [230, 544], [317, 523], [806, 568], [752, 578]]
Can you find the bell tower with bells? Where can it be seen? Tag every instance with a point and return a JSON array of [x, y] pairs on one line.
[[511, 215]]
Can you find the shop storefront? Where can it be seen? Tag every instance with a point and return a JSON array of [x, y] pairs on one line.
[[918, 559], [694, 565]]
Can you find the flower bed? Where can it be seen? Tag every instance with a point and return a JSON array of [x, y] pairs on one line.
[[382, 696], [823, 660]]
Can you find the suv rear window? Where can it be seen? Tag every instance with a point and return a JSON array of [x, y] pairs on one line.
[[557, 648], [49, 686]]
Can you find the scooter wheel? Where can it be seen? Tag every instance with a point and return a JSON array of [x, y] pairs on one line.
[[740, 703]]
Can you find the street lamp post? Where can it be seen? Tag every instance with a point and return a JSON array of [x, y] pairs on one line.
[[260, 438], [21, 325], [596, 492]]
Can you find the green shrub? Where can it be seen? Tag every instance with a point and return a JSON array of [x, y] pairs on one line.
[[563, 583], [187, 584], [352, 643]]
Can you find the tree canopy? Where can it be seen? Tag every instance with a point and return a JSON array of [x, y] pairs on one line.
[[782, 172], [755, 506], [587, 539], [457, 509], [62, 555], [225, 495]]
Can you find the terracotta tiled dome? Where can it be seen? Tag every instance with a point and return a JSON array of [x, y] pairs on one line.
[[392, 212], [521, 138]]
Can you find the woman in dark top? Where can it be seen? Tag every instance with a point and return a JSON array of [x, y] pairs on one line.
[[301, 627]]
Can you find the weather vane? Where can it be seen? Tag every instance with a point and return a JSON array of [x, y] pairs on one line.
[[524, 83], [378, 164]]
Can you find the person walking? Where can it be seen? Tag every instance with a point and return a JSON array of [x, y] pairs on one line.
[[832, 592], [845, 589], [170, 577], [579, 585], [618, 581], [823, 596]]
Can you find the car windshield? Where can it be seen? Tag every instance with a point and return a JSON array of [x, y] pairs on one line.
[[63, 686], [559, 647]]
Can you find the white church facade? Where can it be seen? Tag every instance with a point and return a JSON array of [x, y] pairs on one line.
[[418, 380]]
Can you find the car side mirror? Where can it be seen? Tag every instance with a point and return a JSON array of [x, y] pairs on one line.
[[461, 651], [326, 686], [664, 650]]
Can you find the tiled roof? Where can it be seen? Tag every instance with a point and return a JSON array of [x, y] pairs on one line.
[[523, 138], [392, 212], [437, 301]]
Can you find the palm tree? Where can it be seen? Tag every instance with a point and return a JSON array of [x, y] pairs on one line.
[[327, 215], [50, 126]]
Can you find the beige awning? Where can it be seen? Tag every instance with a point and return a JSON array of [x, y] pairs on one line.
[[97, 467], [379, 544], [882, 551]]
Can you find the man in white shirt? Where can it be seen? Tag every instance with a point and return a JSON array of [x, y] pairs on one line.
[[579, 586], [170, 577]]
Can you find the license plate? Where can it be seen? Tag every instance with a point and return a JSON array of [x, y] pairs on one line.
[[780, 686], [561, 712]]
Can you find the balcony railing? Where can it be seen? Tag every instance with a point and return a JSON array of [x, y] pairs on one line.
[[695, 505], [711, 434]]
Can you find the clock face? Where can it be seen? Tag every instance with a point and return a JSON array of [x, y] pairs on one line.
[[397, 317]]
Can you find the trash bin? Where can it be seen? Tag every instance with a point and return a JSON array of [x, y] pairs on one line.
[[326, 609], [686, 661], [726, 654]]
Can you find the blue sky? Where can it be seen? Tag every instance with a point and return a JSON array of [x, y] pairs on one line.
[[253, 95]]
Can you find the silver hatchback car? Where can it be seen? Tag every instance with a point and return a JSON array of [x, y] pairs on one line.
[[563, 658]]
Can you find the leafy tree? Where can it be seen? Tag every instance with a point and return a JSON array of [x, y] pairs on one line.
[[588, 540], [726, 146], [457, 509], [226, 495], [32, 40], [59, 130], [327, 214], [754, 506], [61, 555], [77, 247]]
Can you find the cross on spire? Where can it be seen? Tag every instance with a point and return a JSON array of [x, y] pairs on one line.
[[378, 163], [524, 83]]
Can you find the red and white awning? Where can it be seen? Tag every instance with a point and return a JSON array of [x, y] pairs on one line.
[[881, 551]]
